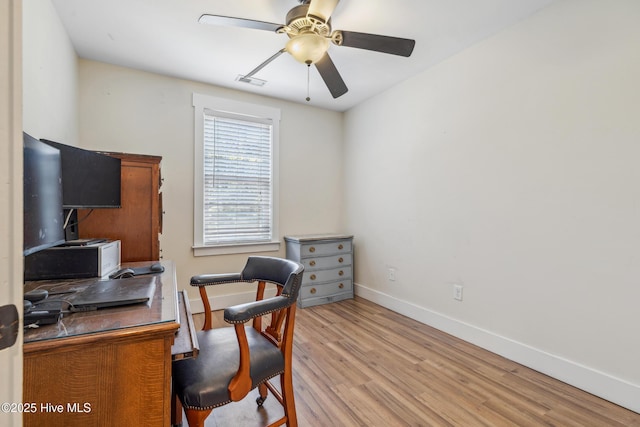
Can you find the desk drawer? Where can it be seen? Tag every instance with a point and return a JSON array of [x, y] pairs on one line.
[[185, 344]]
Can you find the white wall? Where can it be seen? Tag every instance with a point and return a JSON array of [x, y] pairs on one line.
[[133, 111], [50, 74], [512, 169]]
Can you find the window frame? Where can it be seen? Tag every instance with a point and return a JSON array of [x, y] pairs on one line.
[[226, 107]]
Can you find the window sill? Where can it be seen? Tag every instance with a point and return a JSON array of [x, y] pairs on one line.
[[236, 249]]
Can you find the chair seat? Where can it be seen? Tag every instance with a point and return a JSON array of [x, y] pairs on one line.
[[202, 383]]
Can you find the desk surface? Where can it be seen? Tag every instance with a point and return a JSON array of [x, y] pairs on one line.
[[161, 313]]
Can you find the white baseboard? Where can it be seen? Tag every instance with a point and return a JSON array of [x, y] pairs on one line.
[[595, 382]]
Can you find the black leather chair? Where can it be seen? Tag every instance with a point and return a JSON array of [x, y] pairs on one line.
[[234, 360]]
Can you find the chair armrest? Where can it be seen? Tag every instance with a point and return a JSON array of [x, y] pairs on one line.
[[216, 279], [242, 313]]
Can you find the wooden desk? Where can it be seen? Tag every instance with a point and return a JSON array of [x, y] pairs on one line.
[[109, 367]]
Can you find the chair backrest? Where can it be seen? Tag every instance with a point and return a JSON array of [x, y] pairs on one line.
[[287, 275], [283, 272]]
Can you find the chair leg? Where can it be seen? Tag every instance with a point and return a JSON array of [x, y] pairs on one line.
[[196, 418], [263, 390], [288, 402]]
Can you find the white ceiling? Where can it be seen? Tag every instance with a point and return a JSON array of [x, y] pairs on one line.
[[164, 36]]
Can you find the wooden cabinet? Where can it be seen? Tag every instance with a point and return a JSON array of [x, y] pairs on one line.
[[138, 223], [328, 267]]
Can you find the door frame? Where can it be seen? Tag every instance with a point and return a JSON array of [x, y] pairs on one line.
[[11, 260]]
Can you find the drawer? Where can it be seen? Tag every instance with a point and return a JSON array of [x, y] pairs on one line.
[[325, 289], [309, 302], [332, 261], [320, 276], [185, 344], [325, 248]]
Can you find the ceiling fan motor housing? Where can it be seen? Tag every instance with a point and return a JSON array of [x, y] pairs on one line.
[[298, 21]]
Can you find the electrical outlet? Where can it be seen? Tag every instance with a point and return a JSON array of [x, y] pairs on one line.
[[391, 274], [457, 292]]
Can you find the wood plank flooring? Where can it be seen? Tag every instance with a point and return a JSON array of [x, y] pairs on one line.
[[359, 364]]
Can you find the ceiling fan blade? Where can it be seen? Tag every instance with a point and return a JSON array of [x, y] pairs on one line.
[[264, 64], [322, 9], [384, 44], [230, 21], [331, 76]]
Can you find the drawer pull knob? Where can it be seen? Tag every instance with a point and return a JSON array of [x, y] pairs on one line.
[[312, 290], [312, 277], [340, 260], [340, 273], [340, 246], [341, 285], [312, 249], [312, 263]]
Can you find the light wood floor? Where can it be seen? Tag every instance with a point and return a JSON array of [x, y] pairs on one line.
[[359, 364]]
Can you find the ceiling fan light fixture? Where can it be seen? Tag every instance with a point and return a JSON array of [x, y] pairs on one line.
[[307, 48]]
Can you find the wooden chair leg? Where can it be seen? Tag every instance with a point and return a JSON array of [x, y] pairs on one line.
[[288, 402], [263, 390], [196, 418]]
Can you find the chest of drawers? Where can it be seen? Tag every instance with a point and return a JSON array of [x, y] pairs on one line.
[[328, 267]]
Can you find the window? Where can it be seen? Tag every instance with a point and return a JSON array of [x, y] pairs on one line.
[[236, 151]]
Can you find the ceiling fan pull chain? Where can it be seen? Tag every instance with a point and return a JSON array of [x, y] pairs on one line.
[[308, 70]]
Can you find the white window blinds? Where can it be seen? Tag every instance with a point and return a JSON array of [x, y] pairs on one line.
[[238, 179]]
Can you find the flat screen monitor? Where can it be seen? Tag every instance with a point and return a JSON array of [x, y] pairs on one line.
[[42, 182], [89, 179]]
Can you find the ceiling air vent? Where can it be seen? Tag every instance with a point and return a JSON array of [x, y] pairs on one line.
[[251, 80]]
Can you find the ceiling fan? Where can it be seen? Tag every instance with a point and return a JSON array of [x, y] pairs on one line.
[[309, 29]]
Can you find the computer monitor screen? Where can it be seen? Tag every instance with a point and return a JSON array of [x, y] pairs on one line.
[[89, 179], [42, 186]]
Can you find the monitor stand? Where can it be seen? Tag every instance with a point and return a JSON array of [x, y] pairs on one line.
[[71, 230]]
